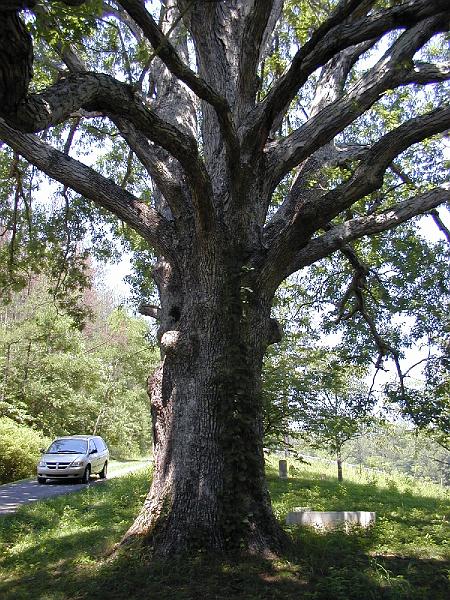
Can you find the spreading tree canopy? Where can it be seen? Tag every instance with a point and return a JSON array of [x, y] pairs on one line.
[[236, 142]]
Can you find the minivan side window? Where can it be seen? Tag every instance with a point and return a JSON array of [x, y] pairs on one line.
[[92, 445], [100, 444]]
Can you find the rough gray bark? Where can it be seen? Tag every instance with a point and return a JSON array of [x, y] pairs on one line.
[[17, 59], [220, 256]]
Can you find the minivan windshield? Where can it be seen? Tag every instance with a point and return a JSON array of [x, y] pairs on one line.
[[68, 446]]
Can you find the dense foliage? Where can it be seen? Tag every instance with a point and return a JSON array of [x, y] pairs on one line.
[[61, 380], [400, 366], [20, 447]]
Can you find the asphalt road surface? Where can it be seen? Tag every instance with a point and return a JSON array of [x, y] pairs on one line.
[[13, 495]]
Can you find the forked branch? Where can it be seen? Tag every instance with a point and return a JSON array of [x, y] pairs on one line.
[[394, 69], [169, 56], [99, 92], [312, 214], [255, 27], [336, 34], [338, 236]]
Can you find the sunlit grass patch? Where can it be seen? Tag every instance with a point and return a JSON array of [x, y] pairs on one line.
[[56, 550], [412, 517], [68, 530]]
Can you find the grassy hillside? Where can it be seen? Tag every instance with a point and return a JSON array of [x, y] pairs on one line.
[[54, 550]]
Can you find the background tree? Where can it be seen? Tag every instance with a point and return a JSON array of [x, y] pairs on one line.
[[252, 125], [426, 403], [314, 395], [281, 378], [398, 447], [333, 405], [59, 379]]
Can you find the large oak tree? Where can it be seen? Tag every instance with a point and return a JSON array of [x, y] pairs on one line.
[[253, 177]]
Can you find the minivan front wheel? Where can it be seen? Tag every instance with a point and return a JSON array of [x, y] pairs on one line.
[[41, 480], [104, 471], [86, 475]]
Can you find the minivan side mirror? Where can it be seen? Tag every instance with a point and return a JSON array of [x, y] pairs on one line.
[[42, 450], [93, 451]]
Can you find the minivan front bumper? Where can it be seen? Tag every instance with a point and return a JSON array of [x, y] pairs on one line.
[[58, 471]]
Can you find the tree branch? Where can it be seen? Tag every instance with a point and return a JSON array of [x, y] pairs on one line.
[[123, 17], [369, 174], [163, 169], [16, 65], [357, 287], [252, 40], [423, 73], [334, 75], [94, 91], [150, 310], [313, 212], [159, 167], [336, 34], [440, 224], [394, 69], [346, 153], [87, 182], [274, 17], [169, 56], [340, 235]]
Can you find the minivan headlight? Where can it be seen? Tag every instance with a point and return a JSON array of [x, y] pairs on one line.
[[77, 463], [41, 463]]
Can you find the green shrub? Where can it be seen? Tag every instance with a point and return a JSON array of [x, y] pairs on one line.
[[19, 450]]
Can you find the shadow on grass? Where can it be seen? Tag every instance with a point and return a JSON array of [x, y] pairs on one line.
[[319, 567], [197, 578], [333, 566], [343, 567], [63, 560]]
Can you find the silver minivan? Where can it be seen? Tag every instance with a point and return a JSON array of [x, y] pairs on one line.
[[74, 457]]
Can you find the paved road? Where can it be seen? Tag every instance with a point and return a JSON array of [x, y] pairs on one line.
[[13, 495]]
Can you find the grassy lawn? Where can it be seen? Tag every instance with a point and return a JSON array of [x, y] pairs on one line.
[[55, 550], [116, 467]]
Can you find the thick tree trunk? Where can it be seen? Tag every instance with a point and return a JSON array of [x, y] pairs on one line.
[[209, 489]]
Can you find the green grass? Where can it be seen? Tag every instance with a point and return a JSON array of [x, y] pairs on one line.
[[412, 516], [55, 550], [116, 466]]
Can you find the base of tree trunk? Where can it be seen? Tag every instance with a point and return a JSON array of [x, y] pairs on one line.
[[163, 537]]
